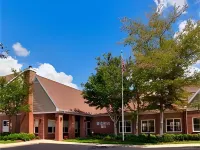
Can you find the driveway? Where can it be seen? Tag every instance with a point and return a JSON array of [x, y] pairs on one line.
[[47, 146]]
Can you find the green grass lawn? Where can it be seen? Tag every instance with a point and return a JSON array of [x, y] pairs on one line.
[[125, 142], [7, 142]]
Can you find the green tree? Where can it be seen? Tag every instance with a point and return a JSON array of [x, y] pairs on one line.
[[13, 96], [3, 53], [137, 79], [166, 57], [103, 89]]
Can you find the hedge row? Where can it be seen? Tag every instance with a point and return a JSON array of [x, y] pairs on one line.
[[145, 138], [17, 136]]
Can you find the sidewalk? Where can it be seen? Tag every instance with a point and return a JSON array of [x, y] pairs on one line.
[[94, 144]]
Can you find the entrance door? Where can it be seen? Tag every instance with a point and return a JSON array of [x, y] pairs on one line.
[[87, 126], [5, 126]]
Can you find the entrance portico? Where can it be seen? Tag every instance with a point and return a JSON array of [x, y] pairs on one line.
[[59, 126]]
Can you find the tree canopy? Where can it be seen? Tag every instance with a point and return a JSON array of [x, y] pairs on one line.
[[165, 56], [103, 89], [13, 95]]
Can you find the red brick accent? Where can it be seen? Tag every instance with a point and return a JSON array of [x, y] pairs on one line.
[[41, 131], [97, 128], [184, 123], [59, 127], [82, 126], [14, 120], [190, 116], [27, 122], [71, 126], [43, 125]]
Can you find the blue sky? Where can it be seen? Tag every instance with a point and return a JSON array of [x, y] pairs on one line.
[[68, 35]]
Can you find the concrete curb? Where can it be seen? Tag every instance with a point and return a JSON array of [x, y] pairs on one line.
[[173, 146], [9, 145], [94, 144]]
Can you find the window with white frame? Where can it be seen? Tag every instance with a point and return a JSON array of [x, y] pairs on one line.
[[196, 124], [65, 126], [148, 126], [36, 124], [173, 125], [51, 126], [127, 126]]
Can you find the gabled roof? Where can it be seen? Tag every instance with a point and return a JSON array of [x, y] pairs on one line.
[[9, 78], [66, 98], [193, 90], [70, 100]]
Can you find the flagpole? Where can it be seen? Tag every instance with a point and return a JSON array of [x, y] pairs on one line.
[[122, 99]]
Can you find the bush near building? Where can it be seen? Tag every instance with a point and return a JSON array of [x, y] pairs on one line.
[[149, 138], [17, 136]]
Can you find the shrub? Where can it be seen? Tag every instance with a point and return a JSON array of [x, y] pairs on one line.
[[179, 137], [168, 138], [142, 138], [4, 134], [145, 138], [194, 137], [131, 137], [153, 139], [108, 138], [18, 136], [98, 137], [118, 137]]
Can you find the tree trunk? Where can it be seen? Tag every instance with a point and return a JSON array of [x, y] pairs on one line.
[[137, 122], [15, 123], [115, 128], [161, 120], [10, 124], [137, 115]]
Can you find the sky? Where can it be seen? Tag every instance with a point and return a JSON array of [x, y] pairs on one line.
[[61, 39]]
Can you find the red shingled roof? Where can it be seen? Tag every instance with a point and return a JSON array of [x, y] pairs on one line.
[[70, 99], [8, 77], [66, 98]]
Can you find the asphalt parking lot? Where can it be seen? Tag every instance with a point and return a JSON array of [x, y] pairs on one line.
[[44, 146]]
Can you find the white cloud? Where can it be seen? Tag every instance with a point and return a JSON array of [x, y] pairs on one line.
[[198, 62], [6, 66], [182, 25], [192, 70], [162, 4], [20, 50], [48, 71], [45, 70]]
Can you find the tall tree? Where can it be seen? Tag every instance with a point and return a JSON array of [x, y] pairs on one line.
[[13, 96], [166, 56], [137, 79], [103, 89]]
